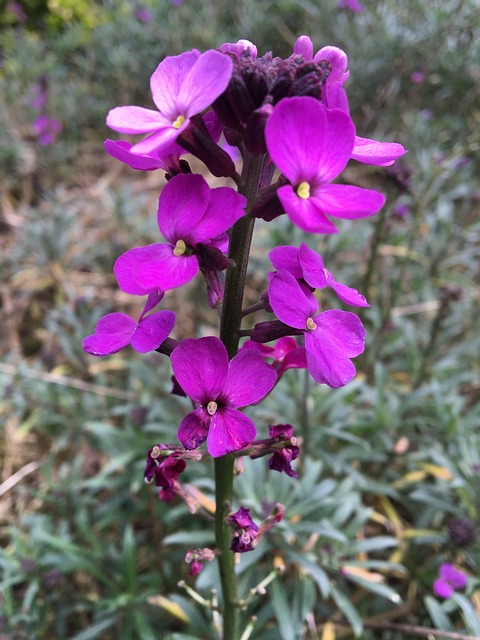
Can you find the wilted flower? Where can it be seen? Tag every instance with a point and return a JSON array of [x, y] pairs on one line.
[[245, 531]]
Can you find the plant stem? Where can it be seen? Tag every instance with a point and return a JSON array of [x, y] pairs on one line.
[[239, 250]]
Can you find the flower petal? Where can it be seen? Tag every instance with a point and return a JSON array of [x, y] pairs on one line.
[[160, 141], [201, 367], [313, 268], [120, 150], [224, 208], [305, 213], [166, 270], [152, 331], [112, 333], [380, 154], [339, 335], [338, 144], [229, 431], [193, 429], [295, 136], [133, 119], [182, 205], [346, 201], [442, 588], [207, 79], [249, 379], [286, 257], [289, 301], [125, 265], [167, 79]]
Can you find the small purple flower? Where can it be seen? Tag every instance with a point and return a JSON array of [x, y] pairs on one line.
[[245, 531], [195, 558], [352, 5], [311, 145], [282, 459], [47, 129], [307, 265], [164, 470], [401, 210], [219, 388], [331, 337], [143, 14], [449, 580], [417, 77], [190, 216], [117, 330], [182, 86]]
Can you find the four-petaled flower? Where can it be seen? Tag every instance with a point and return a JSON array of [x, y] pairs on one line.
[[219, 388], [244, 531], [449, 580], [311, 146], [182, 86], [191, 216], [331, 337]]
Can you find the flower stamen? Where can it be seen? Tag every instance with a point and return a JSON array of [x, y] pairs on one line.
[[180, 248], [178, 122], [310, 324], [303, 190], [212, 407]]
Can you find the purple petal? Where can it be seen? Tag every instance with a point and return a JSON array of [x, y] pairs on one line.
[[207, 79], [112, 333], [338, 144], [286, 257], [201, 367], [136, 120], [249, 379], [152, 301], [225, 207], [159, 141], [295, 135], [152, 331], [305, 213], [313, 268], [125, 266], [289, 302], [304, 47], [442, 588], [166, 270], [339, 335], [182, 205], [338, 61], [346, 201], [294, 359], [380, 154], [456, 578], [193, 429], [121, 151], [347, 294], [229, 431], [167, 80]]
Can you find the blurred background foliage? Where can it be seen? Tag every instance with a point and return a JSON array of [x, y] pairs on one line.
[[390, 475]]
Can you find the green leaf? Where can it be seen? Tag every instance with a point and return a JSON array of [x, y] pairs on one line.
[[282, 611], [349, 611], [472, 621], [93, 633], [437, 614]]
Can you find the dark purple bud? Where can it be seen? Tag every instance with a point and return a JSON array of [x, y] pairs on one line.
[[177, 389], [309, 79], [197, 140], [255, 131], [245, 531], [211, 258], [282, 459], [215, 281], [462, 531], [272, 330], [268, 206]]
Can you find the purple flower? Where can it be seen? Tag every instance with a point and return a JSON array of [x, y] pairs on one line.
[[47, 129], [219, 388], [449, 580], [116, 330], [190, 216], [195, 557], [305, 264], [143, 14], [237, 48], [164, 470], [379, 154], [170, 154], [282, 459], [353, 5], [245, 531], [331, 337], [311, 145], [286, 354], [417, 77], [182, 86]]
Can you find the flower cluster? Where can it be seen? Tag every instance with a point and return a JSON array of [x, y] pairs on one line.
[[289, 122]]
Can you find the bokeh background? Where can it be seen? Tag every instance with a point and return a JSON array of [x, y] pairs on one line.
[[390, 475]]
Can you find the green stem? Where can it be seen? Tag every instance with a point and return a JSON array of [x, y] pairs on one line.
[[239, 251]]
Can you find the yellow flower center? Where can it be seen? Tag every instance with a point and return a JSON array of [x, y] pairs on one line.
[[180, 248], [303, 190], [178, 122], [311, 324], [212, 407]]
